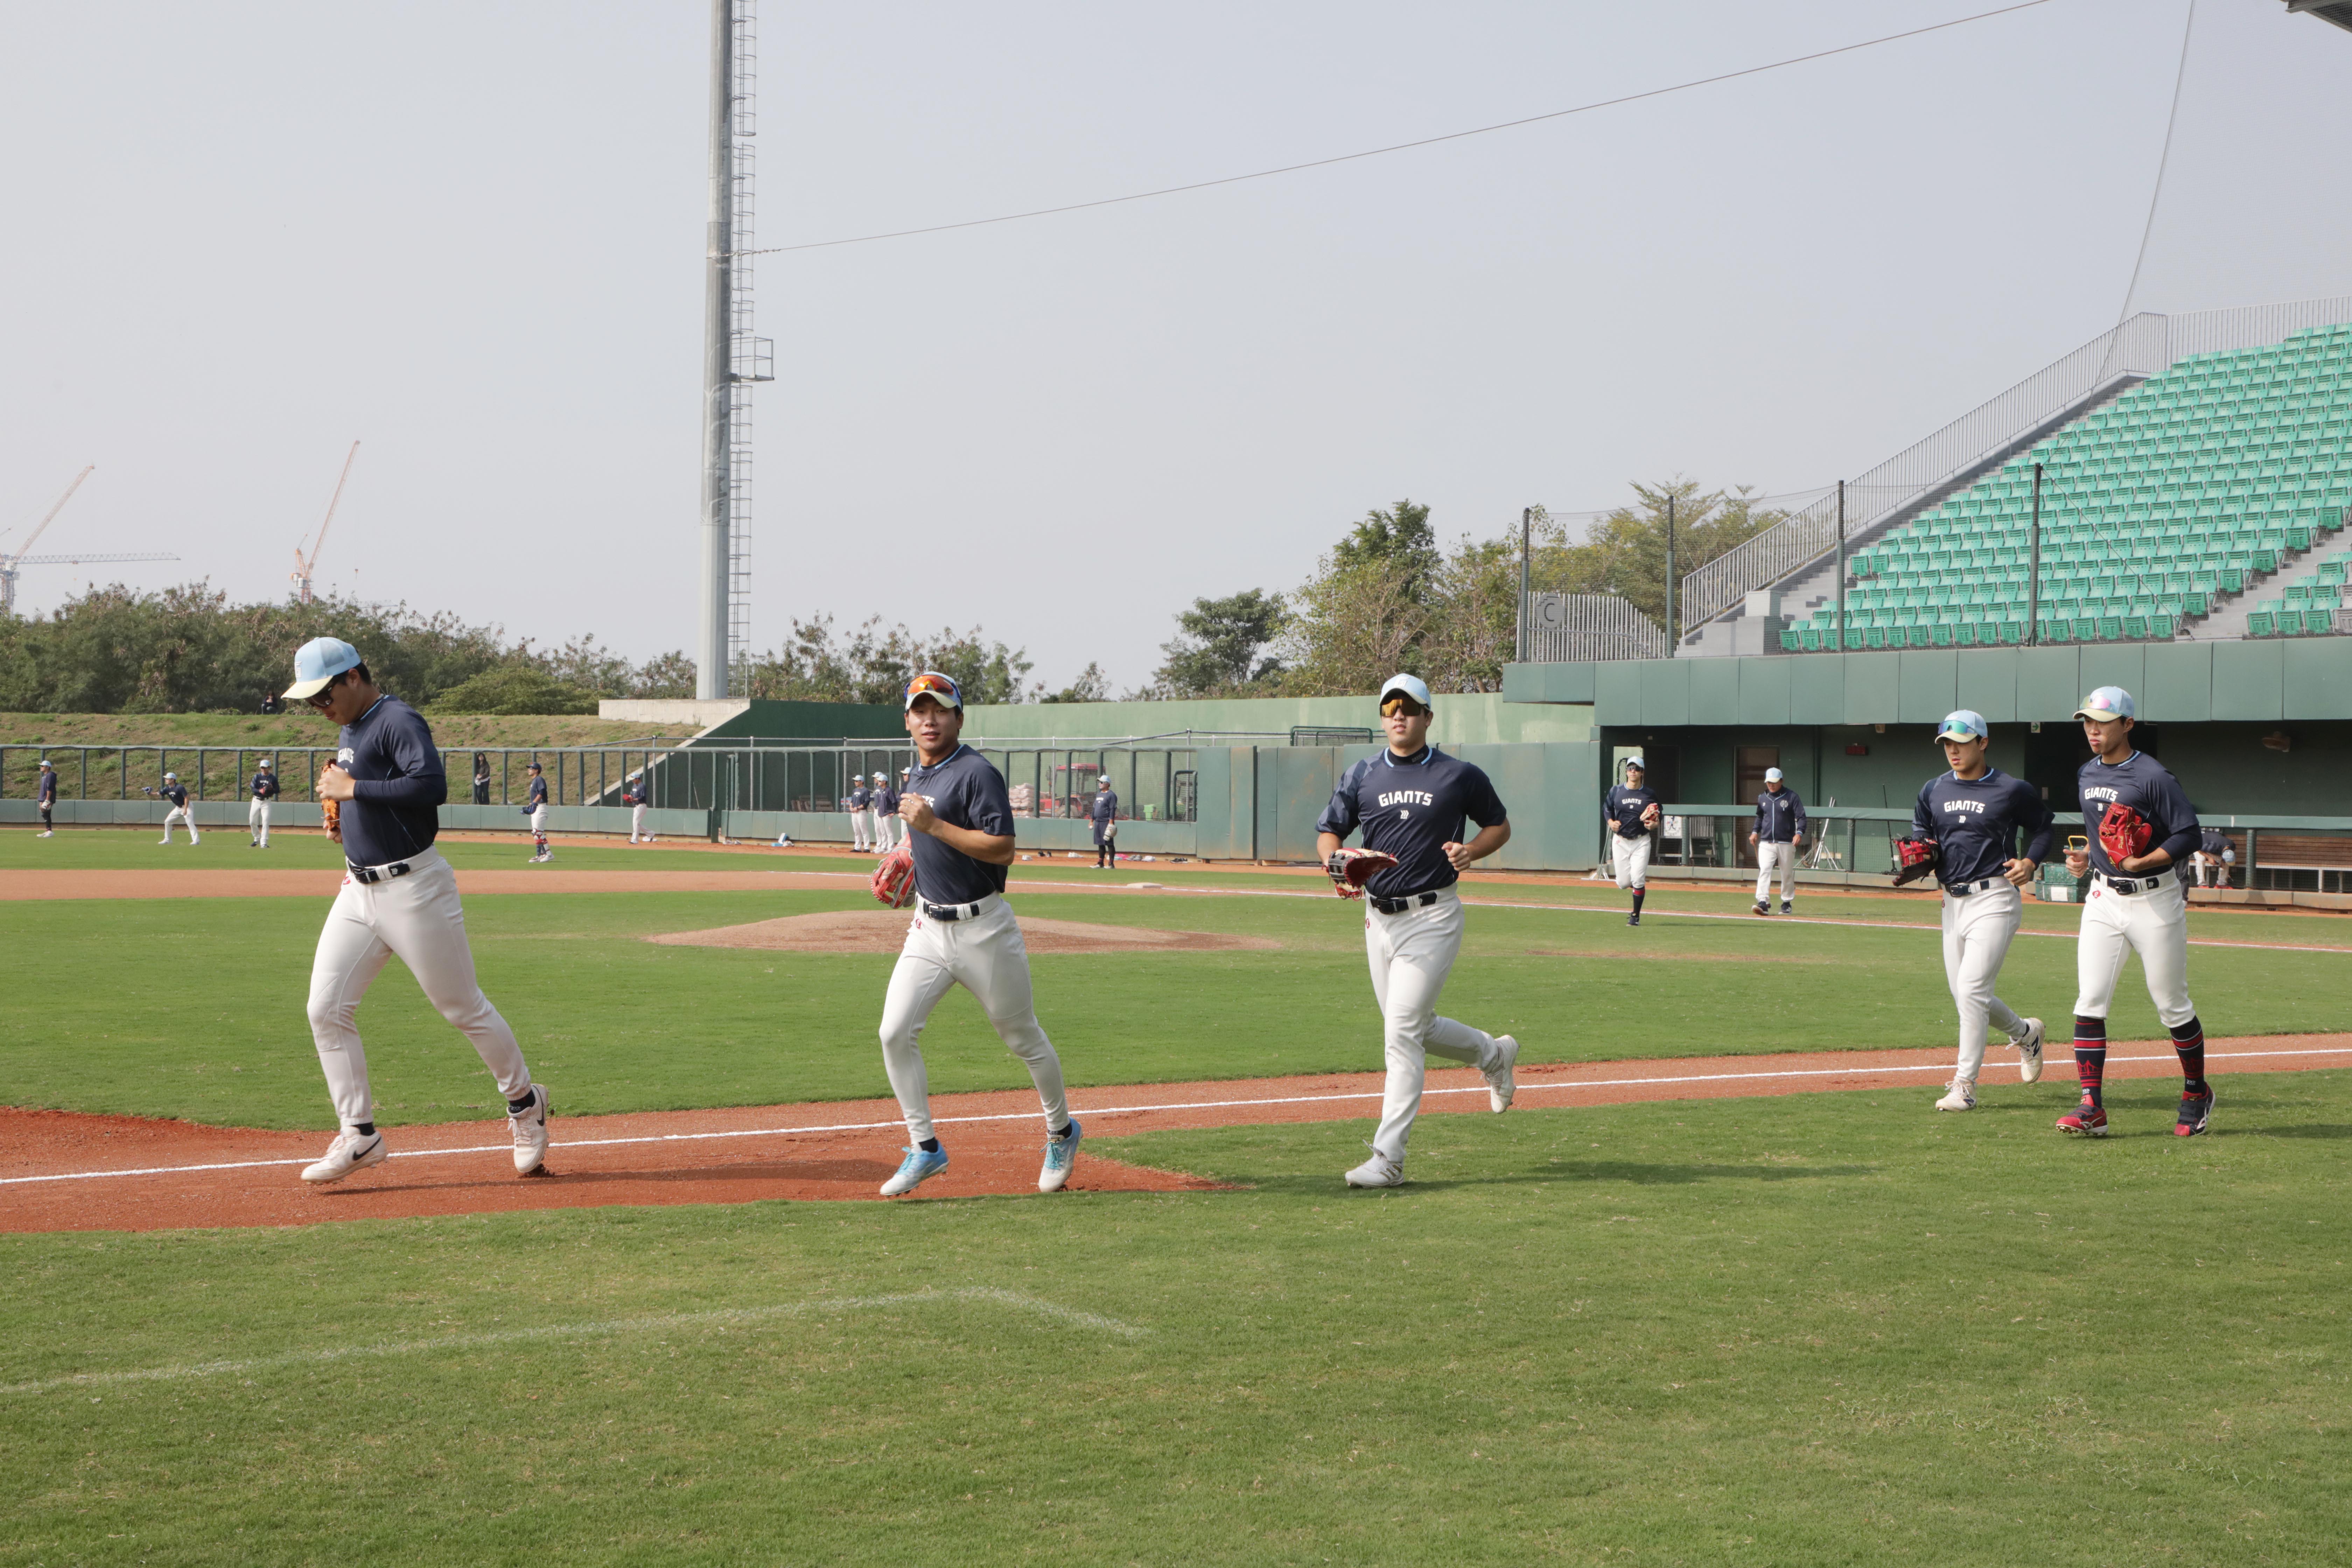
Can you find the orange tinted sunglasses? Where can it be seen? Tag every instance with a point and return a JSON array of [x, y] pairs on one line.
[[937, 685]]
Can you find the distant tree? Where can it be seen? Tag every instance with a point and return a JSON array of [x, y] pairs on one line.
[[515, 689], [1220, 650], [1091, 686], [1624, 553], [874, 663]]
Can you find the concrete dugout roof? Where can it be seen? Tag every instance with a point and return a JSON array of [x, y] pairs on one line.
[[2275, 680]]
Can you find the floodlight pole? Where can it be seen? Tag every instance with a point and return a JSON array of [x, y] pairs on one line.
[[1526, 532], [718, 392], [2033, 568], [1670, 574], [1841, 568]]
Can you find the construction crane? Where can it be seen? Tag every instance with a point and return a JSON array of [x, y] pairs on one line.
[[304, 565], [10, 564]]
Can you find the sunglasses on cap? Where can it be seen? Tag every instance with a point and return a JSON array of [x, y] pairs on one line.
[[1405, 706], [930, 683]]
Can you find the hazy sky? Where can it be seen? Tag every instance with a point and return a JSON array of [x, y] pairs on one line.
[[470, 236]]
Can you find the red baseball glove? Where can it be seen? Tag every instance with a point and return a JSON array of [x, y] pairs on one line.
[[1349, 870], [894, 878], [1914, 858], [1649, 815], [2124, 833]]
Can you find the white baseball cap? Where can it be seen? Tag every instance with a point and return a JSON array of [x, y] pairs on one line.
[[318, 661], [44, 762], [1772, 775], [1965, 724], [1634, 763], [1411, 686], [264, 763], [170, 778], [2108, 703], [881, 778]]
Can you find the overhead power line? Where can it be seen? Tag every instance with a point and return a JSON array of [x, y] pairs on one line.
[[1400, 146]]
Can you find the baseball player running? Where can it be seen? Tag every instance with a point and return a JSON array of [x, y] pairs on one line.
[[177, 794], [1411, 803], [2140, 826], [963, 932], [399, 897], [257, 815], [887, 829], [534, 806], [1105, 812], [639, 794], [861, 820], [1973, 815], [1779, 833], [1632, 812], [47, 796]]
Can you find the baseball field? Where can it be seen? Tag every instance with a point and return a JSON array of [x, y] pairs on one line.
[[1662, 1312]]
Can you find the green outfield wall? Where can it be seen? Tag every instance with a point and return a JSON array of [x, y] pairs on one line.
[[1478, 718]]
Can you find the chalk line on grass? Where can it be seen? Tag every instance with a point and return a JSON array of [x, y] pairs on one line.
[[1530, 1085], [723, 1318]]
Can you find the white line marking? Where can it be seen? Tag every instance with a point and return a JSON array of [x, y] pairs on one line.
[[1084, 1110], [729, 1316]]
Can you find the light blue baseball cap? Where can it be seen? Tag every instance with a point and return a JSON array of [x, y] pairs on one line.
[[1411, 686], [318, 661], [2108, 703], [1632, 763], [1964, 724]]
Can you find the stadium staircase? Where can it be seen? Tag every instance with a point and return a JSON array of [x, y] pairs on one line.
[[2207, 501]]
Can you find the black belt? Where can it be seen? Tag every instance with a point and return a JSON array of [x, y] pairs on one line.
[[1410, 901], [376, 873], [953, 911], [1962, 889], [2132, 885]]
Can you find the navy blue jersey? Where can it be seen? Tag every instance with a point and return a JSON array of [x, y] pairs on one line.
[[1412, 807], [2140, 782], [534, 794], [1624, 807], [858, 797], [1976, 822], [886, 800], [1780, 817], [396, 785], [48, 794], [964, 791], [177, 793], [1106, 806], [265, 784]]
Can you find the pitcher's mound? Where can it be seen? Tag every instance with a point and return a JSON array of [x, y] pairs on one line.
[[884, 931]]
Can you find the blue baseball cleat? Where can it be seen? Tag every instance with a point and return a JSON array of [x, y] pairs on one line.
[[920, 1167], [1060, 1155]]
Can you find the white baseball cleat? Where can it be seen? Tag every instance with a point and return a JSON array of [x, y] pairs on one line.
[[2029, 1052], [349, 1151], [530, 1132], [1503, 1082], [1961, 1096], [1061, 1153], [1380, 1170], [920, 1167]]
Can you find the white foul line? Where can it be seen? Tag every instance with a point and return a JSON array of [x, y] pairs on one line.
[[1126, 1111], [727, 1317]]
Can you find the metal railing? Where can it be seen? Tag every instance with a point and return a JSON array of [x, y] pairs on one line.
[[2145, 345], [576, 775], [1561, 628]]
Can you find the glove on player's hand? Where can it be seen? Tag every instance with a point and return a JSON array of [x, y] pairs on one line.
[[2124, 833], [332, 810], [1349, 870], [1914, 858], [1649, 815], [894, 878]]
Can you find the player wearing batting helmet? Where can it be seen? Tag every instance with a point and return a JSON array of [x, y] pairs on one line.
[[2140, 828]]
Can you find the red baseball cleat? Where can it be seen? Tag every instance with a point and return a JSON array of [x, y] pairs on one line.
[[2196, 1111], [2086, 1120]]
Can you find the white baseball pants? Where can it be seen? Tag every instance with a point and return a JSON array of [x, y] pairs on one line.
[[1771, 857], [539, 821], [887, 830], [1411, 956], [2153, 924], [985, 955], [1978, 929], [638, 824], [861, 828], [1630, 859], [418, 918], [257, 819], [183, 815]]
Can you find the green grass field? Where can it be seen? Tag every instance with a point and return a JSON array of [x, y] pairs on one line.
[[1826, 1329], [1819, 1330]]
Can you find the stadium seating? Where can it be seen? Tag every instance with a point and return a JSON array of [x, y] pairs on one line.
[[2155, 507]]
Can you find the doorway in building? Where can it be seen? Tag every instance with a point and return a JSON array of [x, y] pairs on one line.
[[1748, 763]]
